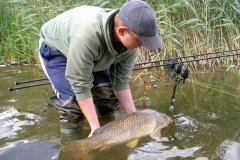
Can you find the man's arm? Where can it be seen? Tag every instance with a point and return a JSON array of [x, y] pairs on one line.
[[120, 77], [125, 99], [88, 109]]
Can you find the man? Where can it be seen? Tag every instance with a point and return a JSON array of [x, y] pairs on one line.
[[88, 54]]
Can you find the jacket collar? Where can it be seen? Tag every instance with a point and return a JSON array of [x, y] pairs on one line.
[[107, 20]]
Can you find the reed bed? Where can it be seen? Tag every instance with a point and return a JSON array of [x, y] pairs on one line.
[[187, 27]]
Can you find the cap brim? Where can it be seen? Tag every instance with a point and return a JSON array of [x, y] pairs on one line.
[[151, 43]]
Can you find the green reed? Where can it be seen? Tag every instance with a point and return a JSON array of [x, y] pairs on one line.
[[193, 27], [20, 24], [187, 27]]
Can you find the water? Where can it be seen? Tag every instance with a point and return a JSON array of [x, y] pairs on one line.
[[206, 120]]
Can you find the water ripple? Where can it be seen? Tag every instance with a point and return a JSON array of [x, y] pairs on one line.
[[229, 150], [29, 150], [11, 121], [158, 151], [192, 125]]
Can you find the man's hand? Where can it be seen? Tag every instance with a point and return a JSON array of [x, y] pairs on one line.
[[126, 101], [88, 109], [92, 131]]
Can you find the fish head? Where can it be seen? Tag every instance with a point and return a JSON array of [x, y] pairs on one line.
[[162, 120]]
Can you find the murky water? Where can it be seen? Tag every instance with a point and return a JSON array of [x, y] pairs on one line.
[[206, 120]]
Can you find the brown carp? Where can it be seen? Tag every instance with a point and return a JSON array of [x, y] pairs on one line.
[[128, 128]]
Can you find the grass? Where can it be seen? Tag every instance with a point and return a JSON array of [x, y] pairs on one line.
[[187, 27]]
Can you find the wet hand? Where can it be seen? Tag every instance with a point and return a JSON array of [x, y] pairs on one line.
[[92, 131]]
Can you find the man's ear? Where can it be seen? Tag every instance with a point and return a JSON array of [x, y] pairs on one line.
[[122, 30]]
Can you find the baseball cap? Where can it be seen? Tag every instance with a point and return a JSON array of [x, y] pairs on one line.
[[139, 17]]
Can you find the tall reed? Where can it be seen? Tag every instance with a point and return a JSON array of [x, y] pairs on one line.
[[20, 24], [195, 27], [187, 27]]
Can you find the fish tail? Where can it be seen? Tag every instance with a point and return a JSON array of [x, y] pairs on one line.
[[76, 149]]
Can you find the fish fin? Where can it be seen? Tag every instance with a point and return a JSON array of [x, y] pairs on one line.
[[104, 148], [75, 150], [156, 134], [132, 143]]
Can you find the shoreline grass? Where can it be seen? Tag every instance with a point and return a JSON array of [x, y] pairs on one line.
[[187, 28]]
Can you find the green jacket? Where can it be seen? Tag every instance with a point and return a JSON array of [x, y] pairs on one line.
[[84, 35]]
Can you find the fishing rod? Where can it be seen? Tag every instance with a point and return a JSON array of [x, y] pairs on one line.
[[28, 86], [169, 62], [180, 69], [166, 62], [29, 81], [196, 55]]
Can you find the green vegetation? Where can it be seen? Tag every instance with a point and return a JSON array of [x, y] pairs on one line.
[[187, 27], [197, 27]]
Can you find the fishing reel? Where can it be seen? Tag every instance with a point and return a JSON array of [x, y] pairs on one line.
[[180, 73]]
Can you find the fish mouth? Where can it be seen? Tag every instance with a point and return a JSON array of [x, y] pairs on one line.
[[170, 121]]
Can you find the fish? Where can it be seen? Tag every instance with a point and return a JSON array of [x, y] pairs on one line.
[[146, 122]]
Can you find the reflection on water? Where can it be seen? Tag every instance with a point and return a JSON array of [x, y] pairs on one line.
[[12, 121], [229, 150], [191, 125], [158, 151], [206, 120], [24, 149]]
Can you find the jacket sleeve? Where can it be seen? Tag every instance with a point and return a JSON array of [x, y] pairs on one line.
[[79, 68], [121, 70]]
